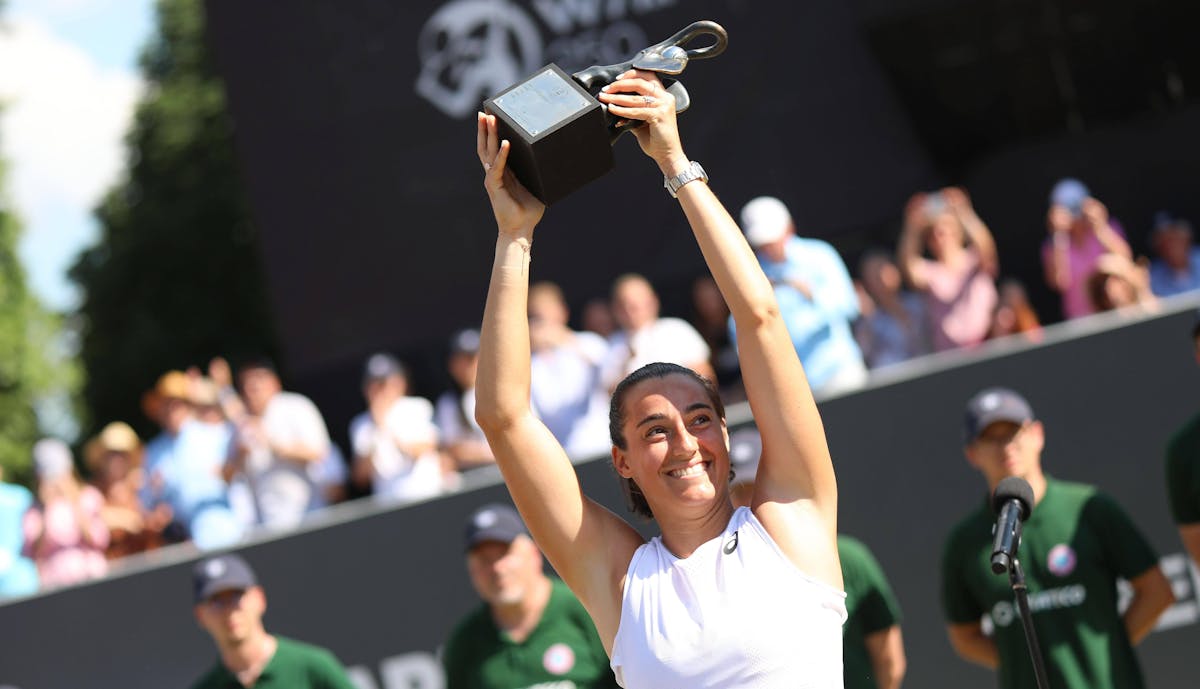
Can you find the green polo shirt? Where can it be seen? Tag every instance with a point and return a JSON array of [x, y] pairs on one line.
[[1183, 473], [295, 665], [1074, 546], [871, 607], [562, 652]]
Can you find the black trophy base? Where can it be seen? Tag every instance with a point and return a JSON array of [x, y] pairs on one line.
[[557, 130]]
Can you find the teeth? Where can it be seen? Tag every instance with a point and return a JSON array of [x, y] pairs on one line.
[[694, 470]]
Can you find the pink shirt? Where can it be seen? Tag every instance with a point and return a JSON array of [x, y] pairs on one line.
[[959, 301], [62, 556], [1081, 261]]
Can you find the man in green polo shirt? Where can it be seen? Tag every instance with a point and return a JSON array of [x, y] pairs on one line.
[[1074, 547], [872, 646], [229, 605], [1183, 475], [530, 631]]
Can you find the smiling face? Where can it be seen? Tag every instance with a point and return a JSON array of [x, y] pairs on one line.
[[1006, 449], [676, 446]]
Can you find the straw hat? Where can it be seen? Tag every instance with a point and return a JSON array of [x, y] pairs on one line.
[[171, 385], [115, 437]]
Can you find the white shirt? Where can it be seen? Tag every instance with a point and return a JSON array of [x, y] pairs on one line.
[[567, 396], [669, 340], [283, 489], [736, 613], [394, 473]]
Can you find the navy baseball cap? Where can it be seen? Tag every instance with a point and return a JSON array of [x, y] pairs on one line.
[[495, 522], [465, 342], [381, 366], [992, 405], [227, 572]]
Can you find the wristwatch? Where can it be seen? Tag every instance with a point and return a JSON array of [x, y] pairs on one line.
[[692, 173]]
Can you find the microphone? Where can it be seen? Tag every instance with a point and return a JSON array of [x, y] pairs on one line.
[[1012, 502]]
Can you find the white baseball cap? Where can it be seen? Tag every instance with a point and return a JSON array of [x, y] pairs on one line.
[[765, 220]]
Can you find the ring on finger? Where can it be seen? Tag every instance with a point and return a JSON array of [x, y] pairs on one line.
[[649, 100], [487, 167]]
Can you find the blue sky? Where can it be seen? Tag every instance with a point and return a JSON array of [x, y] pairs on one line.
[[69, 84]]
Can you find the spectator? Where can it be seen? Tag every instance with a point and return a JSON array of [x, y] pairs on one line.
[[229, 606], [1116, 283], [1081, 231], [184, 464], [65, 533], [461, 439], [565, 375], [1014, 314], [530, 630], [329, 475], [1177, 268], [394, 441], [282, 435], [892, 327], [18, 574], [643, 337], [114, 458], [1075, 545], [815, 295], [872, 646], [1183, 474], [710, 316], [958, 280], [598, 318]]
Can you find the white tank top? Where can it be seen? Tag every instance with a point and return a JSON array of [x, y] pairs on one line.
[[736, 613]]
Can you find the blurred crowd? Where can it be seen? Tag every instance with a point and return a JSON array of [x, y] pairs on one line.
[[237, 454]]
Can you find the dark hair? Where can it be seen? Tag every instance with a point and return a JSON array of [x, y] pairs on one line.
[[1196, 330], [634, 499], [257, 363]]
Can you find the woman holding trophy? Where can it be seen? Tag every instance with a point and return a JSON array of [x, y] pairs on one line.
[[748, 597]]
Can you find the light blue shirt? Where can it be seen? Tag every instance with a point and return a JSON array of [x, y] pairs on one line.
[[185, 469], [1165, 282], [819, 327], [18, 576]]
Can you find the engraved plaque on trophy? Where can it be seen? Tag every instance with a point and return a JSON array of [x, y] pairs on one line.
[[557, 130]]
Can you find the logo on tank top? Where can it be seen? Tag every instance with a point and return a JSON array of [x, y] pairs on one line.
[[558, 659], [1061, 560], [731, 544]]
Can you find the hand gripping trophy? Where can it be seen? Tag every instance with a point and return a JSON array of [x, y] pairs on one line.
[[561, 136]]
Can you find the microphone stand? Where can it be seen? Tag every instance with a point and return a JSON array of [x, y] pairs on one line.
[[1016, 577]]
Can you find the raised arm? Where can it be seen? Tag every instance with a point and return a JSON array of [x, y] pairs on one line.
[[795, 490], [976, 231], [908, 249], [588, 546]]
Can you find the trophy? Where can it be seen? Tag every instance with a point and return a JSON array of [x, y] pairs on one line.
[[561, 137]]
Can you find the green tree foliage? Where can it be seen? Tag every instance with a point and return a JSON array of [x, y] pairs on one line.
[[24, 371], [176, 276]]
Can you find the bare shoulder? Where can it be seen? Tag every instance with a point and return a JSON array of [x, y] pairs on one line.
[[800, 530]]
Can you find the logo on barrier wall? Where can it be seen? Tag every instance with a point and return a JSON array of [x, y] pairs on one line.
[[472, 49]]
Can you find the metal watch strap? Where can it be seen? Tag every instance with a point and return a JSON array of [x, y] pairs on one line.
[[692, 173]]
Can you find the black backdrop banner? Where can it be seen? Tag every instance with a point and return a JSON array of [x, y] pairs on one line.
[[355, 134], [382, 587], [355, 127]]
